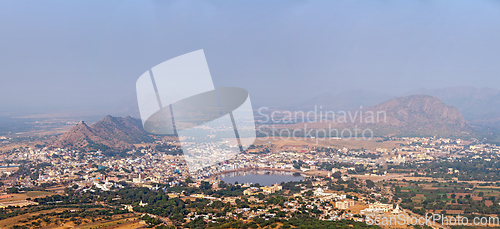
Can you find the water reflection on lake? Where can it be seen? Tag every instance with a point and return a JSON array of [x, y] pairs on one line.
[[265, 178]]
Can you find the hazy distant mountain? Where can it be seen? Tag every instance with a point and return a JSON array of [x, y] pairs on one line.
[[479, 106], [126, 106], [419, 115], [109, 133], [344, 101], [476, 104]]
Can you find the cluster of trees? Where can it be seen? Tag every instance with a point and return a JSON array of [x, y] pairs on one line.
[[16, 211], [346, 186], [151, 221], [295, 222], [299, 221], [292, 187], [445, 202], [470, 169]]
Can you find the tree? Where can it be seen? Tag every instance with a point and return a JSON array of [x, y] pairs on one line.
[[205, 185], [422, 211], [370, 184], [14, 189]]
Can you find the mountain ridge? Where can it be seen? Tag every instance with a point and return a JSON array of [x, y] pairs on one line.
[[419, 115], [114, 133], [474, 103]]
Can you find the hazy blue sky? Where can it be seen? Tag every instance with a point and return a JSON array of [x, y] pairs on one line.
[[63, 54]]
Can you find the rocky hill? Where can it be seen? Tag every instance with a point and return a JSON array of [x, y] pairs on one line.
[[419, 115], [109, 133], [474, 103]]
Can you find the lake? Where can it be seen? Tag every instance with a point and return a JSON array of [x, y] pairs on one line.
[[265, 178]]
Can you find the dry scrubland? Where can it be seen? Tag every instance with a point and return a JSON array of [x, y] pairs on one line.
[[128, 220], [24, 196]]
